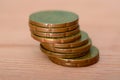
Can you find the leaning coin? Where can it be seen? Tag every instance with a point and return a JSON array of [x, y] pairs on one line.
[[57, 40], [79, 42], [70, 50], [90, 58], [63, 55], [56, 35], [49, 29], [53, 18]]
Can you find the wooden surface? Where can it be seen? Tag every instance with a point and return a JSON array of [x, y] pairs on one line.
[[21, 59]]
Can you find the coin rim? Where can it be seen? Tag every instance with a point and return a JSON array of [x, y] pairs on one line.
[[56, 35], [69, 50], [55, 30], [57, 40], [54, 25], [73, 44], [77, 63], [62, 55]]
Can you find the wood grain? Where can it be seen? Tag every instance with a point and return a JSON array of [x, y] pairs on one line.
[[21, 58]]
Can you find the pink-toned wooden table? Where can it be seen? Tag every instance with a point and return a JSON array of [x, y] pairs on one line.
[[21, 59]]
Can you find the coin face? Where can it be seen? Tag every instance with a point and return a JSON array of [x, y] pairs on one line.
[[54, 18], [90, 58]]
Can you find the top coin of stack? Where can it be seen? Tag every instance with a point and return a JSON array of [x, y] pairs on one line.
[[61, 39]]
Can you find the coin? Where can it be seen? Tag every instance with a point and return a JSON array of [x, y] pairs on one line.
[[69, 50], [63, 55], [53, 18], [49, 29], [90, 58], [61, 40], [57, 40], [56, 35], [79, 42]]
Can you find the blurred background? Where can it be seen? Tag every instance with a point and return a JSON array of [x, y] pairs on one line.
[[20, 56]]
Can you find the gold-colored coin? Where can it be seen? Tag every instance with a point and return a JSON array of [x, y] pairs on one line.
[[61, 40], [56, 35], [79, 42], [69, 50], [63, 55], [57, 40], [53, 25], [36, 28], [53, 18], [90, 58]]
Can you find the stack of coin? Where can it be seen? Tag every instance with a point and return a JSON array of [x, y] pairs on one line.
[[61, 38]]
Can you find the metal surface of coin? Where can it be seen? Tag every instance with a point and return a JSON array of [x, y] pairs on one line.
[[56, 35], [57, 40], [53, 18], [79, 42], [63, 55], [55, 30], [70, 50], [90, 58]]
